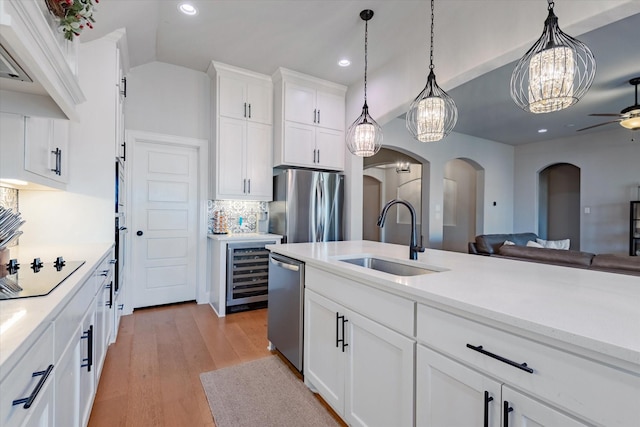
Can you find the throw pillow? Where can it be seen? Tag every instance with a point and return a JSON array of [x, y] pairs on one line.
[[555, 244], [508, 243], [533, 244]]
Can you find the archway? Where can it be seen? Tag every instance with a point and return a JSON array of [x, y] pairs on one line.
[[462, 213], [559, 203], [393, 175]]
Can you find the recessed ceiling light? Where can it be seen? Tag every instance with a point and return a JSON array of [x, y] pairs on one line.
[[187, 9], [344, 63], [542, 130]]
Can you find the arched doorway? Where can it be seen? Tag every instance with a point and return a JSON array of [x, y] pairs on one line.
[[388, 175], [559, 203], [462, 204]]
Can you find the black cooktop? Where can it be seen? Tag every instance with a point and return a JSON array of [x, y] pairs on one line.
[[24, 280]]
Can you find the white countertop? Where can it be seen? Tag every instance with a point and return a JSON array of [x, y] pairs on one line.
[[244, 236], [25, 318], [596, 311]]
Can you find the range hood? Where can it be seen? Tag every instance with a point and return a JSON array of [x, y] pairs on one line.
[[10, 69], [36, 58]]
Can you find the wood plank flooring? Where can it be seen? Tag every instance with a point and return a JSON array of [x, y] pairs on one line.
[[151, 373]]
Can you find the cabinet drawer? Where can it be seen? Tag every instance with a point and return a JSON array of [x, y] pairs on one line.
[[390, 310], [583, 387], [20, 382]]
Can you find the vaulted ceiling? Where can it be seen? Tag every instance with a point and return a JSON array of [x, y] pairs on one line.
[[310, 36]]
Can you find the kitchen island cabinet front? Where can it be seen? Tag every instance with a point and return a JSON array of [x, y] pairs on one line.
[[559, 346], [364, 370]]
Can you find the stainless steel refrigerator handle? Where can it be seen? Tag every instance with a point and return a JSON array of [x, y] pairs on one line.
[[284, 264]]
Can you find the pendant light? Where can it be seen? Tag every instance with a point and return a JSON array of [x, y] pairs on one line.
[[364, 137], [554, 73], [433, 114]]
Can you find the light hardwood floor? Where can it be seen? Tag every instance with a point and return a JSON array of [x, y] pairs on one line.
[[151, 374]]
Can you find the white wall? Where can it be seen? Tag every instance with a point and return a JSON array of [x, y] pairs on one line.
[[495, 158], [610, 174], [168, 99]]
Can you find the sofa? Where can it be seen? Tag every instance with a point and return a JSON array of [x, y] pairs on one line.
[[494, 245]]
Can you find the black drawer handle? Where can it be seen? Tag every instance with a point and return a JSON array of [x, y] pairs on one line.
[[28, 401], [88, 335], [522, 366]]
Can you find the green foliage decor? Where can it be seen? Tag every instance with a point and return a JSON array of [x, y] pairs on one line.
[[73, 15]]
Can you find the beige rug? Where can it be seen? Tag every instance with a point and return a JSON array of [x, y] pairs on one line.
[[263, 393]]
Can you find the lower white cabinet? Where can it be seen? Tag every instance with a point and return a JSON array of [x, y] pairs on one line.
[[519, 410], [362, 369], [88, 379], [450, 394], [26, 397]]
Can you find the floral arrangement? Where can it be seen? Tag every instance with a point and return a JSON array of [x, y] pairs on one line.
[[74, 15]]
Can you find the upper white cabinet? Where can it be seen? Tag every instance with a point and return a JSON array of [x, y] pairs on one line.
[[46, 148], [242, 134], [309, 121], [30, 34], [34, 150]]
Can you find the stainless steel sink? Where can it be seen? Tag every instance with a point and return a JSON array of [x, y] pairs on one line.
[[390, 267]]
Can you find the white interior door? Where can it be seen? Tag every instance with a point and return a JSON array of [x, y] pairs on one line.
[[164, 223]]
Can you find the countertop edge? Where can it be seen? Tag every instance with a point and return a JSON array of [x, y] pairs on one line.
[[600, 350]]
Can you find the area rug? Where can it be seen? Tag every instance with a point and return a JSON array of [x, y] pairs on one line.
[[263, 393]]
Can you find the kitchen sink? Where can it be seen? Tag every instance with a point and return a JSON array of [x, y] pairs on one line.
[[390, 267]]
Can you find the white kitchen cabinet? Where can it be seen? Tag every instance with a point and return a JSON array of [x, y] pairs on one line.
[[46, 148], [450, 394], [363, 369], [104, 311], [34, 150], [558, 381], [27, 398], [244, 96], [309, 121], [67, 384], [88, 379], [241, 152], [244, 169]]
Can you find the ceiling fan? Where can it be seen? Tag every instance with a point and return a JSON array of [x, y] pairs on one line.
[[628, 118]]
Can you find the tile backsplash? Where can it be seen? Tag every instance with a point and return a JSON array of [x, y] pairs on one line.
[[249, 211]]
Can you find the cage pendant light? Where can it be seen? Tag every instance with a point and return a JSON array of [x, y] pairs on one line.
[[364, 136], [554, 73], [433, 114]]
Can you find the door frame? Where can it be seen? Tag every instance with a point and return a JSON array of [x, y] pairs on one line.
[[202, 147]]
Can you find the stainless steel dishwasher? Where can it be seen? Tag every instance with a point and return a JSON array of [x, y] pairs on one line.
[[286, 302]]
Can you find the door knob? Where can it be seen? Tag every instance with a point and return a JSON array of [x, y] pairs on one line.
[[139, 233]]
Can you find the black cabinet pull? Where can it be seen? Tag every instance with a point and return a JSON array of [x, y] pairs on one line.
[[314, 116], [318, 155], [110, 302], [88, 335], [338, 339], [318, 116], [337, 329], [487, 399], [58, 167], [245, 109], [124, 151], [522, 366], [344, 343], [505, 415], [249, 110], [28, 401], [123, 91]]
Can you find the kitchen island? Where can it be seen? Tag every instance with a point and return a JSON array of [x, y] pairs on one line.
[[555, 344]]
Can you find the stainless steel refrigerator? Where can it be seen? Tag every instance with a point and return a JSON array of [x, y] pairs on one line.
[[307, 206]]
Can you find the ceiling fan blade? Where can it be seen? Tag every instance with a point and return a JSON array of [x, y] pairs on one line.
[[606, 114], [599, 124]]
